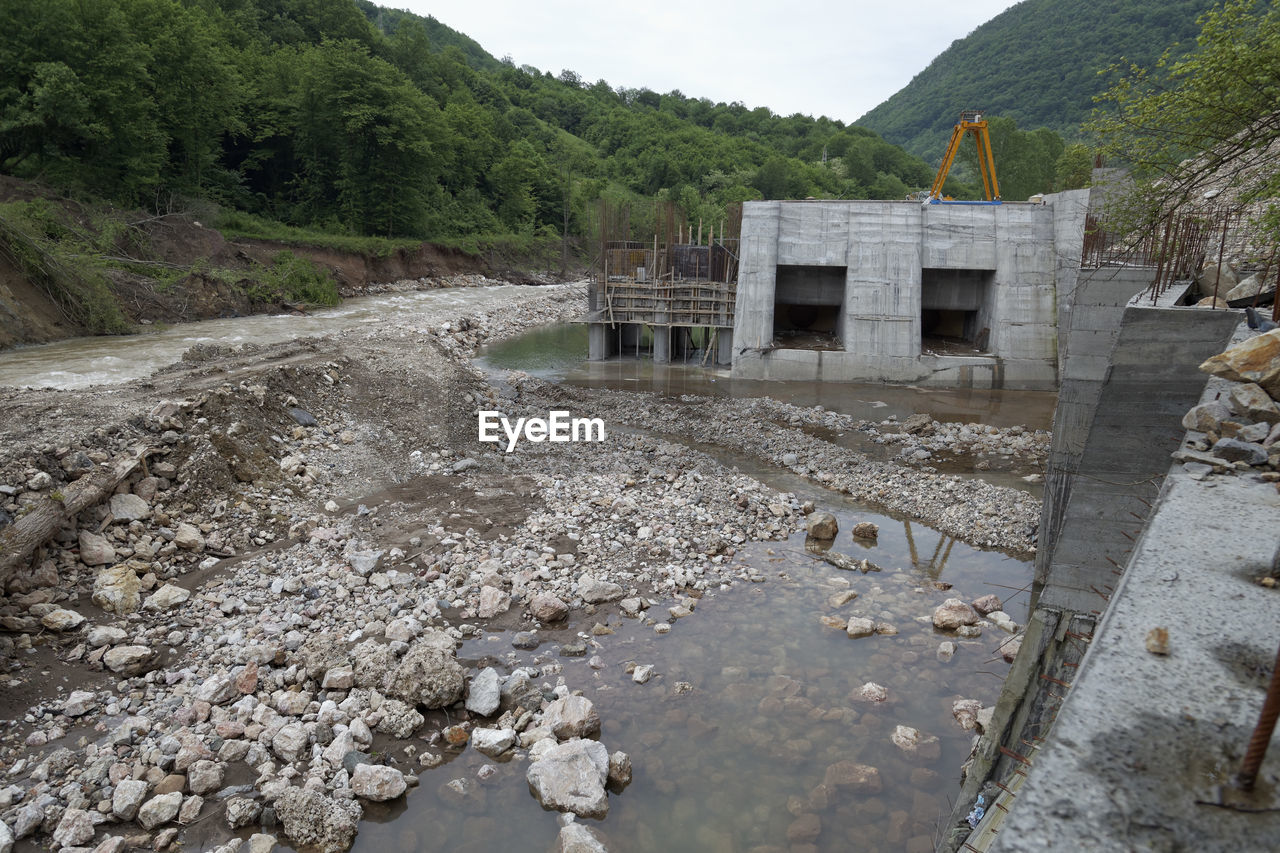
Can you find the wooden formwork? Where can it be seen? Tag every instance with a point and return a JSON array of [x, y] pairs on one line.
[[667, 303], [657, 285]]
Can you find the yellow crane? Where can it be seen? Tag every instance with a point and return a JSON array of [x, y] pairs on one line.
[[971, 121]]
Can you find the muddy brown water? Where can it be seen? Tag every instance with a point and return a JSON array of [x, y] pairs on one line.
[[83, 362]]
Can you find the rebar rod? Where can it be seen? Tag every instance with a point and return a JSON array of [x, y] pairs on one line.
[[1261, 739]]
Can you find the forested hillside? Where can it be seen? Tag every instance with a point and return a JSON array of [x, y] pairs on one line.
[[343, 118], [1036, 63]]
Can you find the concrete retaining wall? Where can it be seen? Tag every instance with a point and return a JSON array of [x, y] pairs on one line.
[[1014, 252]]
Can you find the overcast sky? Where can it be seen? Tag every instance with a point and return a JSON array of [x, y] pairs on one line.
[[817, 58]]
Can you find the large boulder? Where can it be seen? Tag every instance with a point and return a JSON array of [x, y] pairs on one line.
[[577, 838], [310, 818], [95, 550], [953, 613], [377, 782], [1254, 403], [428, 674], [117, 589], [597, 591], [1217, 277], [570, 777], [1250, 286], [822, 525], [571, 717], [485, 693], [546, 607], [1256, 360], [126, 507]]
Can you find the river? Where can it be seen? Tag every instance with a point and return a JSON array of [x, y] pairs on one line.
[[755, 698]]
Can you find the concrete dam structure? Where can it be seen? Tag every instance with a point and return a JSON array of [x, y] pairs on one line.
[[895, 291]]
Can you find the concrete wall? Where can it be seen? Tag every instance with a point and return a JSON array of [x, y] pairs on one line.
[[884, 248], [1104, 474], [1130, 372]]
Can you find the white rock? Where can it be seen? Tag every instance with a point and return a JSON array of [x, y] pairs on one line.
[[166, 597], [597, 591], [260, 842], [1003, 621], [290, 742], [859, 627], [576, 838], [188, 538], [205, 776], [953, 613], [62, 620], [915, 743], [95, 550], [493, 742], [75, 828], [105, 635], [127, 660], [128, 796], [128, 507], [80, 702], [484, 694], [377, 782], [117, 589], [570, 777], [571, 717], [642, 673], [217, 689], [870, 692], [492, 602], [159, 810]]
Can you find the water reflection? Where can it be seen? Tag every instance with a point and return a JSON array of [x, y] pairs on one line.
[[755, 754], [559, 353]]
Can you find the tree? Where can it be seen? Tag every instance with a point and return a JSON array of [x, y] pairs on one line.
[[1206, 118], [1074, 168]]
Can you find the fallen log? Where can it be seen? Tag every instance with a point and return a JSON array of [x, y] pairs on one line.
[[42, 522]]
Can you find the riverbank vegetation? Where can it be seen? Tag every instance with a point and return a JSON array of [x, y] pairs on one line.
[[1201, 125]]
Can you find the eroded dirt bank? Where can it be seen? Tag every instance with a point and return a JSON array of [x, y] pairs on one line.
[[245, 637]]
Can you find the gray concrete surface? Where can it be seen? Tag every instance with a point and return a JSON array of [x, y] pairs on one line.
[[1113, 437], [1002, 264], [1142, 743]]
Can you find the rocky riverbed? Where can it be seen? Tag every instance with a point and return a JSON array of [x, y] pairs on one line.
[[254, 640]]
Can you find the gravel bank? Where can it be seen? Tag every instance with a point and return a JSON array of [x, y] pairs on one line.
[[259, 627]]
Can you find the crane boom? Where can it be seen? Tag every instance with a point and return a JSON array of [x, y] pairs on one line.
[[971, 121]]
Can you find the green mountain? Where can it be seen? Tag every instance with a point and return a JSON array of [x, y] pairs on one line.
[[345, 118], [1037, 62]]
